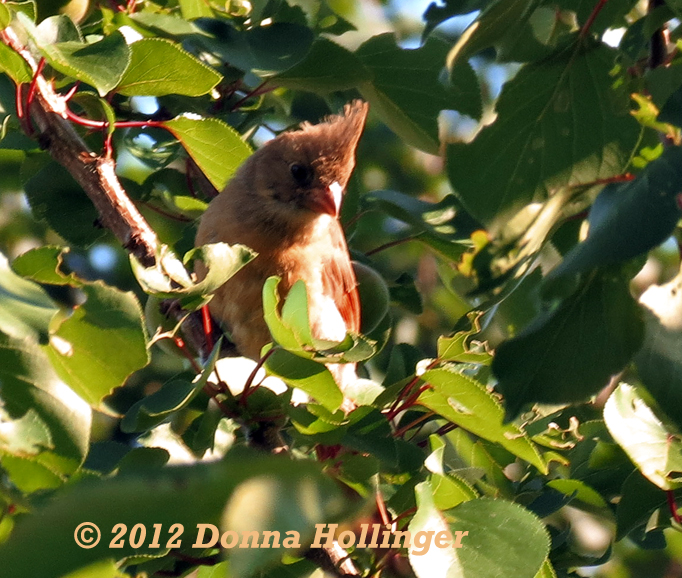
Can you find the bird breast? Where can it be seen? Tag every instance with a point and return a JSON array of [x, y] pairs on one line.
[[238, 303]]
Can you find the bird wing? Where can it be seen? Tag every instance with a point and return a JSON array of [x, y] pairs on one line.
[[339, 280]]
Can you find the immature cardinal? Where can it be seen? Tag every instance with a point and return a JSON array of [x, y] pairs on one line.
[[284, 203]]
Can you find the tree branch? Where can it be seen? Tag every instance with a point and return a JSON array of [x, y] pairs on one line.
[[96, 174]]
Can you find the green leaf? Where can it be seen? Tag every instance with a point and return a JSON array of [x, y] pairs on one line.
[[164, 24], [539, 31], [576, 347], [292, 328], [281, 333], [14, 65], [27, 7], [432, 561], [608, 16], [171, 397], [29, 384], [82, 347], [43, 264], [559, 123], [467, 403], [652, 444], [449, 490], [504, 539], [193, 9], [580, 491], [326, 68], [546, 571], [25, 308], [168, 278], [295, 313], [218, 571], [264, 50], [435, 15], [5, 17], [406, 90], [637, 36], [491, 26], [28, 475], [188, 495], [460, 348], [309, 376], [141, 459], [369, 432], [216, 147], [639, 499], [658, 362], [155, 408], [11, 160], [26, 436], [159, 67], [374, 296], [96, 108], [630, 218], [101, 569], [490, 538], [266, 503], [100, 64], [56, 198], [404, 292], [434, 224]]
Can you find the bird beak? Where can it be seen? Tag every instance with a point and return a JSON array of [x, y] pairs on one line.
[[326, 200]]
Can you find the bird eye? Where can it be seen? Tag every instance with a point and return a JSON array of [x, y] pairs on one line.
[[301, 173]]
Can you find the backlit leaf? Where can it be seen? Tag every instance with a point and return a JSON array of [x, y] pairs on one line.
[[158, 67], [559, 123], [216, 147], [576, 347], [654, 445]]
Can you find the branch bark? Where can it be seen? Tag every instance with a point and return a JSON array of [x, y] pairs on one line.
[[96, 174]]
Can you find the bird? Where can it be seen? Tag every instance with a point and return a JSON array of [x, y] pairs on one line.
[[284, 203]]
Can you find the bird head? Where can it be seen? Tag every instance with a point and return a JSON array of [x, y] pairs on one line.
[[303, 173]]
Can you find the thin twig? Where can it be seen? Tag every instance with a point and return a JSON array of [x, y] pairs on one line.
[[208, 327], [592, 17], [95, 174], [248, 389], [392, 244], [409, 426], [672, 506]]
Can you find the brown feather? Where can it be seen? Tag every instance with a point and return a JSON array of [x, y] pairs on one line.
[[262, 207], [339, 281]]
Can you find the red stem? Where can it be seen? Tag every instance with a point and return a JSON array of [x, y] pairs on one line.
[[409, 426], [248, 389], [404, 514], [590, 21], [34, 80], [624, 178], [402, 394], [103, 124], [391, 244], [208, 327], [409, 402], [179, 218], [260, 89], [187, 353], [72, 91], [381, 507], [19, 97], [188, 179], [672, 506]]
